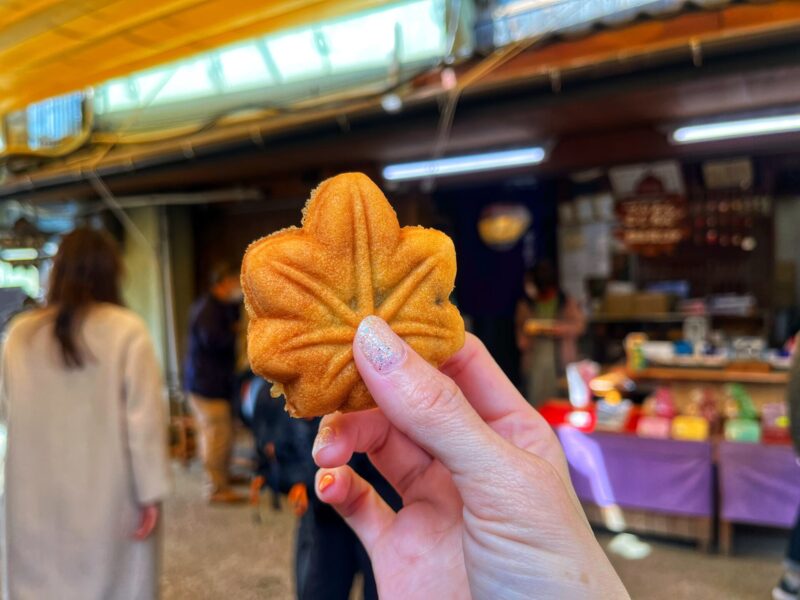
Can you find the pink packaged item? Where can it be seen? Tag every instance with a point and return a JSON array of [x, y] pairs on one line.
[[660, 404], [664, 405], [654, 427]]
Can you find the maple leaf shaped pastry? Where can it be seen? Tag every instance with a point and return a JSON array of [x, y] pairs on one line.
[[307, 289]]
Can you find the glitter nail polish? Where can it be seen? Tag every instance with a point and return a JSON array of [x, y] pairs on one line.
[[324, 438], [380, 345]]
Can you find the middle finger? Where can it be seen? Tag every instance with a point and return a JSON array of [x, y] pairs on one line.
[[395, 456]]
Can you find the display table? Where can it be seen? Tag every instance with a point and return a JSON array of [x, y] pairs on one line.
[[663, 486], [759, 485]]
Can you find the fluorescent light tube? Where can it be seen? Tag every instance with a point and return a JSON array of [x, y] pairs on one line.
[[726, 130], [11, 254], [464, 164]]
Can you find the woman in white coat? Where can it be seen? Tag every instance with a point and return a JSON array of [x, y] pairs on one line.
[[86, 464]]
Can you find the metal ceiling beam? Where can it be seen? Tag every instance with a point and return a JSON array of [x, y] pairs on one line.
[[182, 199]]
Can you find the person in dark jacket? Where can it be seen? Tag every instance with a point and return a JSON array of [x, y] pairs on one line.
[[328, 555], [210, 368], [788, 587]]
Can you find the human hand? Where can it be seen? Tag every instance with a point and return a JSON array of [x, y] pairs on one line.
[[298, 499], [565, 329], [148, 519], [488, 508]]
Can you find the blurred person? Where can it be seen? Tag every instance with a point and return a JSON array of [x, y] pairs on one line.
[[488, 507], [328, 554], [551, 344], [210, 377], [788, 587], [86, 466]]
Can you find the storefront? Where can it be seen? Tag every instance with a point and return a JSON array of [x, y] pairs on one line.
[[680, 250]]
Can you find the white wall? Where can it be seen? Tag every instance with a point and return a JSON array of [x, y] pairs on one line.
[[141, 288]]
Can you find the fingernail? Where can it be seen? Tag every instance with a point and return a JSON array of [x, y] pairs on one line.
[[325, 482], [383, 349], [324, 438]]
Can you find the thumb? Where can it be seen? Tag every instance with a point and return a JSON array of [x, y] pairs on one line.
[[422, 402]]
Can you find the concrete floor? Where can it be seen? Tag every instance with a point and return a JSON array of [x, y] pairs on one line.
[[676, 570], [220, 552]]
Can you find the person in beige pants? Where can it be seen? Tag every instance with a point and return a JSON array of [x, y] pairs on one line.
[[210, 366], [214, 425]]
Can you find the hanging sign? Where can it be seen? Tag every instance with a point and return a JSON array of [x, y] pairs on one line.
[[653, 218]]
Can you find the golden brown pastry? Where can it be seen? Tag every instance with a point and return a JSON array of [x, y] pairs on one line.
[[307, 289]]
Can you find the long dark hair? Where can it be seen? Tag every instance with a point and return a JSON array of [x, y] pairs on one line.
[[86, 270]]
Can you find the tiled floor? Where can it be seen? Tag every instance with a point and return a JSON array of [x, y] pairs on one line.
[[222, 553]]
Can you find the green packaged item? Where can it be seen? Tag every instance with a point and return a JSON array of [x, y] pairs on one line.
[[744, 403], [743, 430]]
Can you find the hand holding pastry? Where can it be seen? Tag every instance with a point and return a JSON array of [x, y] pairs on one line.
[[488, 507]]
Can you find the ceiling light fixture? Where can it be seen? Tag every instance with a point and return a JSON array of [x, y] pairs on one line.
[[12, 254], [392, 103], [454, 165], [726, 130]]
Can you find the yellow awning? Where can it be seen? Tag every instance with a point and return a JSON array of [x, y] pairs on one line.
[[51, 47]]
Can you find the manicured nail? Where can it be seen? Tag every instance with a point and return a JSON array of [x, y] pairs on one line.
[[324, 438], [325, 482], [383, 349]]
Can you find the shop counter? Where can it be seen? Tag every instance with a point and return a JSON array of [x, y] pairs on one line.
[[759, 485], [662, 486]]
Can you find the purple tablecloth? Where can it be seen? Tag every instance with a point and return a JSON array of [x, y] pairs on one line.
[[665, 476], [759, 484]]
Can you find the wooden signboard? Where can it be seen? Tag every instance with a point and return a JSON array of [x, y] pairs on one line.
[[653, 220]]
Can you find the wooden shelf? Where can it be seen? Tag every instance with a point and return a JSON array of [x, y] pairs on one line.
[[669, 318], [655, 318], [709, 376]]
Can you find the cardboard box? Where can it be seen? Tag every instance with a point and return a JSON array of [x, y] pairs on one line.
[[618, 305], [651, 303]]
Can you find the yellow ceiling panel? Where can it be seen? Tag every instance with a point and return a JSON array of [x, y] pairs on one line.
[[12, 12], [51, 47]]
